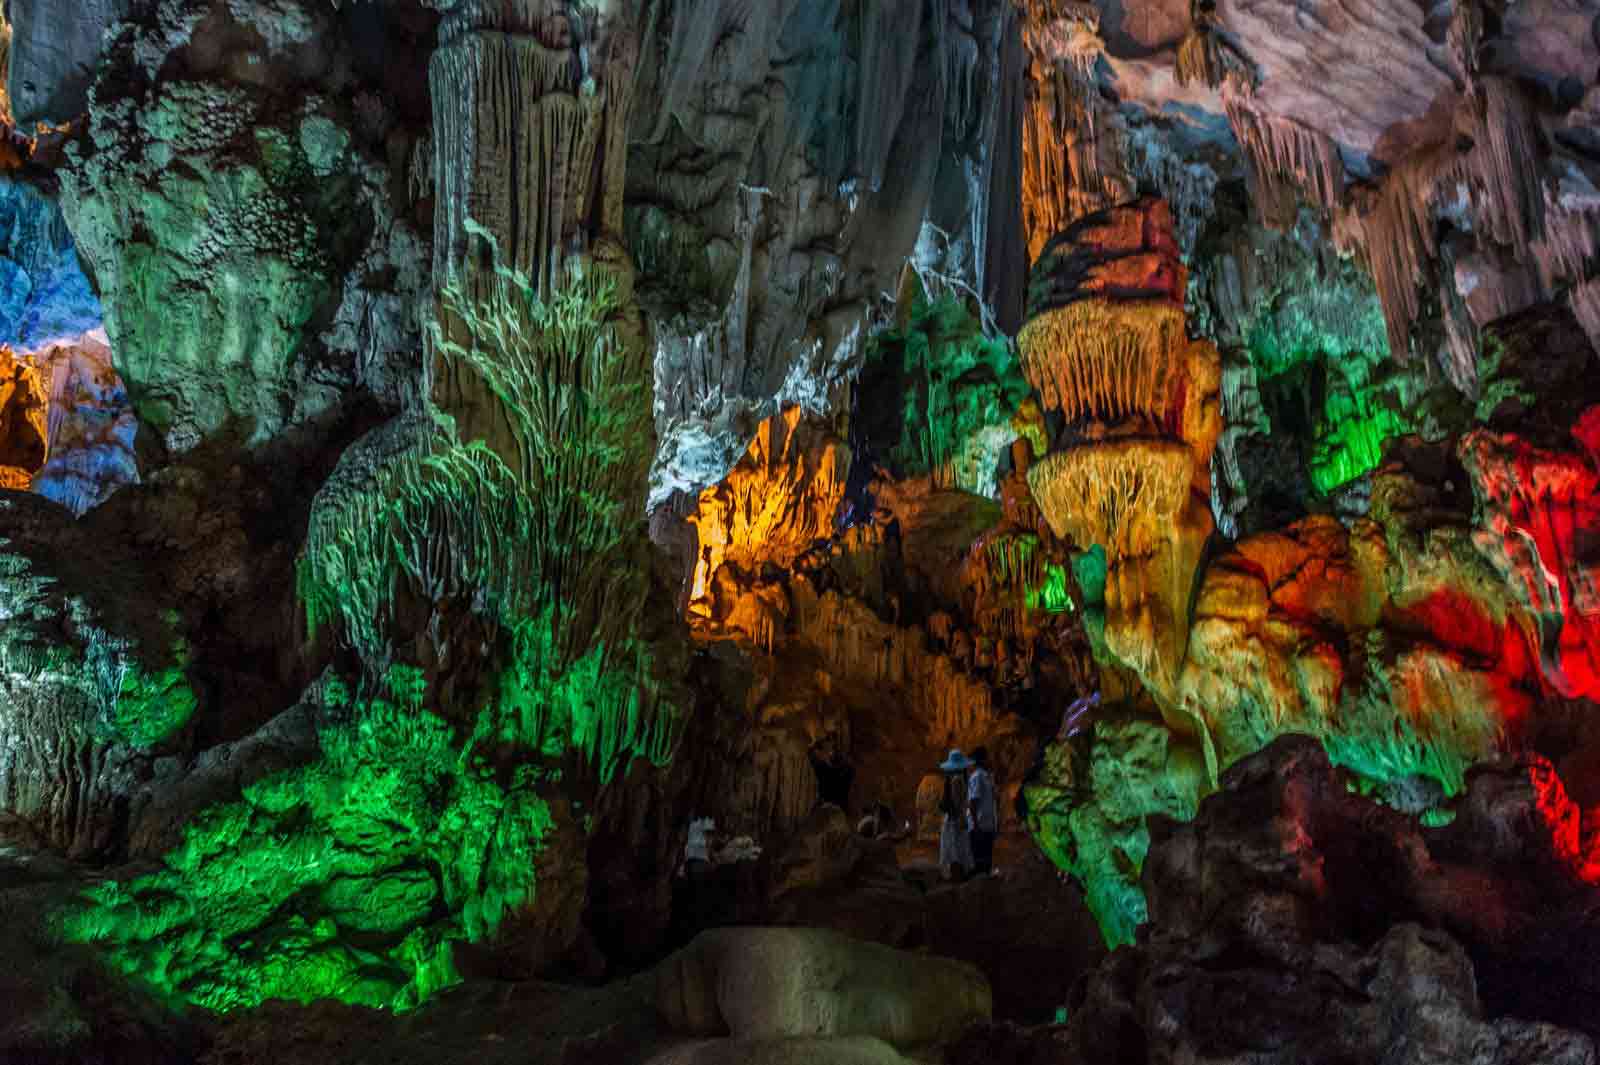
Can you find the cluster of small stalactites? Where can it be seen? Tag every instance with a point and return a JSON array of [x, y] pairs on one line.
[[1103, 360]]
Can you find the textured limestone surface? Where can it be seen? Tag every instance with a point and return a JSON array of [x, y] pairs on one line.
[[785, 164], [769, 983], [249, 286], [1287, 885], [448, 445], [55, 46]]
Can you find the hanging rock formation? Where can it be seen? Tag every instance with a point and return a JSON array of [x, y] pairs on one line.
[[530, 115], [1105, 345], [782, 497], [1399, 110], [788, 160]]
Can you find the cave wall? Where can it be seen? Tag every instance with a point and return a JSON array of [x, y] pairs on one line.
[[465, 439]]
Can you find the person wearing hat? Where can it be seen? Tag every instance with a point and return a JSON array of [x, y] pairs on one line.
[[955, 844], [984, 816]]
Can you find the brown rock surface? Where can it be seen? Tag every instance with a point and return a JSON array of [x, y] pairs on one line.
[[24, 409], [777, 982]]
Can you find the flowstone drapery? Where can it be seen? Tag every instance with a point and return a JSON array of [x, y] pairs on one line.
[[530, 113]]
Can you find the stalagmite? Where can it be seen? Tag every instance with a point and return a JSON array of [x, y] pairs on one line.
[[1106, 345]]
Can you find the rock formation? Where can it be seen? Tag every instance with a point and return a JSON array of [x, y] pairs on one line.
[[448, 446], [773, 202], [1106, 346], [766, 983], [258, 272], [1286, 886]]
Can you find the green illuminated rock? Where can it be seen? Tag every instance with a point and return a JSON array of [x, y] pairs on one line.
[[1088, 811], [345, 878], [943, 397], [429, 807], [237, 235], [87, 688]]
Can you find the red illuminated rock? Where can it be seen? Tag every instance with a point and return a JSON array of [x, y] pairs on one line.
[[1471, 943], [1537, 512]]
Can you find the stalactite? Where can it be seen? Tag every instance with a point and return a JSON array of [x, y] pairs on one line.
[[1498, 181], [775, 503], [1396, 233], [1500, 176], [1585, 301], [1073, 155], [948, 690], [1106, 360], [508, 132], [1285, 158], [1122, 494], [1506, 187]]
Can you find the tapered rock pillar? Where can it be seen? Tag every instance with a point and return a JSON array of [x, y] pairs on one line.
[[1106, 347]]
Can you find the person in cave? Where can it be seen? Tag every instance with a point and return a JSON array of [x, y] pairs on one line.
[[983, 817], [693, 896], [955, 842]]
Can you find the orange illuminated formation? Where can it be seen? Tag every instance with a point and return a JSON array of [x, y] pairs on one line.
[[24, 431], [781, 498]]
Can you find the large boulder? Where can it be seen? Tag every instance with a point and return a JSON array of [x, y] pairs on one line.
[[762, 983], [1297, 919], [855, 1050]]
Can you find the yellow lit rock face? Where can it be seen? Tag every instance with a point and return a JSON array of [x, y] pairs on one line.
[[1107, 346], [1122, 495], [24, 409], [780, 498], [1105, 360]]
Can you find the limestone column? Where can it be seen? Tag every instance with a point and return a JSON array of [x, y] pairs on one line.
[[1106, 346], [530, 113]]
